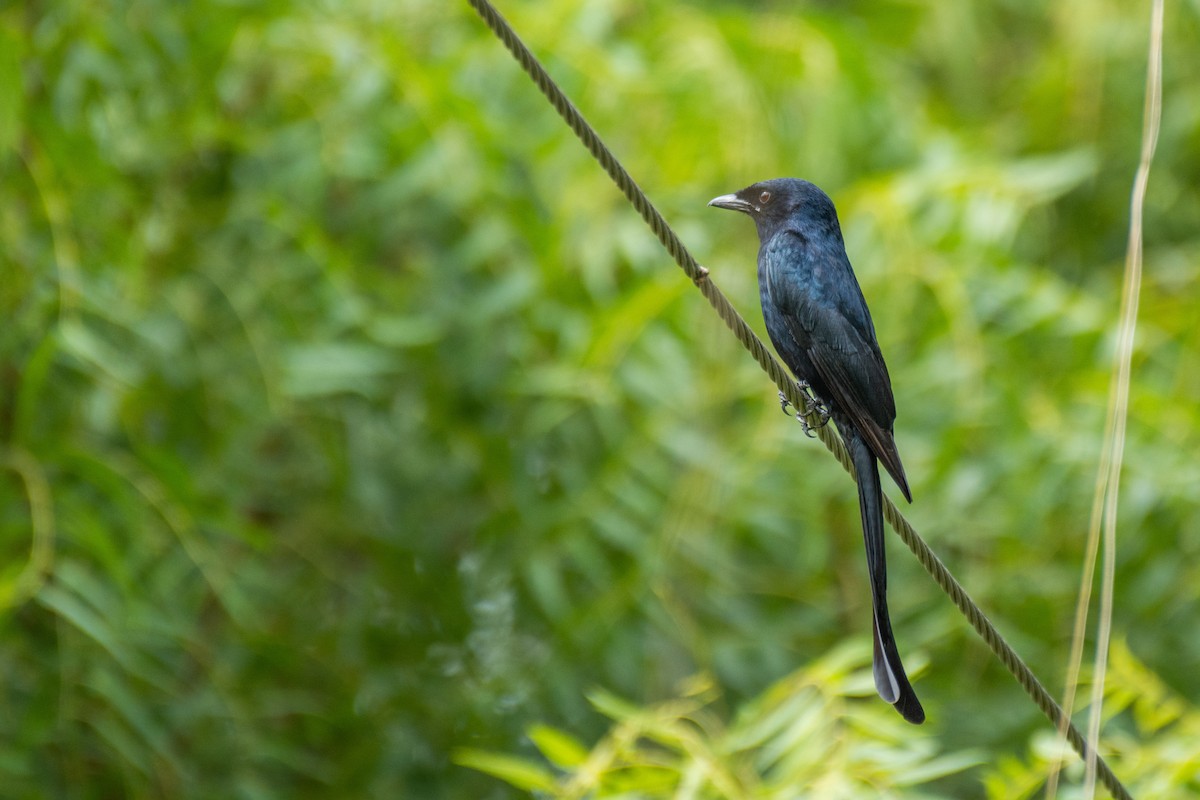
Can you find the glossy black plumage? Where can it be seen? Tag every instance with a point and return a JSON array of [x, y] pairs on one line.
[[818, 321]]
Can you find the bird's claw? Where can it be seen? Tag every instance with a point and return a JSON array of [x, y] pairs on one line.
[[784, 403], [811, 406], [822, 420], [805, 392]]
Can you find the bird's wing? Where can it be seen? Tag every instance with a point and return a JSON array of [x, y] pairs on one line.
[[855, 376]]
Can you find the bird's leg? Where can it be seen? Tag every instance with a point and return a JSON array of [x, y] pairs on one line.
[[811, 406]]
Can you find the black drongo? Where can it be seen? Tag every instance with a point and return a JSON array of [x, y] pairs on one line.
[[819, 323]]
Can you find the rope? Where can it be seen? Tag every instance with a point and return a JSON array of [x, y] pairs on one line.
[[786, 384]]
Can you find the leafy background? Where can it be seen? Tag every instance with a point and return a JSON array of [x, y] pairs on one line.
[[359, 440]]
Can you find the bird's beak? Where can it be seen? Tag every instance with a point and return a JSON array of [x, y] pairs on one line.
[[733, 203]]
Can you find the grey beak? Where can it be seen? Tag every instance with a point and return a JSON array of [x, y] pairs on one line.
[[733, 203]]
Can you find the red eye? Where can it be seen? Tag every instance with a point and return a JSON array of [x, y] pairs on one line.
[[764, 198]]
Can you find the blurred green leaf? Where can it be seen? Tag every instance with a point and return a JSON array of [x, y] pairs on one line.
[[328, 368], [560, 749], [518, 772]]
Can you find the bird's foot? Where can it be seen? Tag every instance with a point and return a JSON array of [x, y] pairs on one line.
[[784, 403], [805, 392], [812, 407], [822, 419]]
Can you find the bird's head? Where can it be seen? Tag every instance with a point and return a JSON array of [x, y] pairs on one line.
[[775, 203]]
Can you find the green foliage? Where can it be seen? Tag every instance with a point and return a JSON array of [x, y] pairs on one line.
[[800, 735], [349, 418], [1152, 732], [802, 738]]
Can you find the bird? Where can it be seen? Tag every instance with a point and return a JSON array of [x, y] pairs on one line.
[[818, 321]]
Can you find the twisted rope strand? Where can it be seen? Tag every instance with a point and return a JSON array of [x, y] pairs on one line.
[[699, 275]]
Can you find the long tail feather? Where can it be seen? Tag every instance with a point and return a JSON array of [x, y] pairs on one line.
[[890, 679]]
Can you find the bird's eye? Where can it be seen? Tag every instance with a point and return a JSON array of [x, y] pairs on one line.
[[764, 198]]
